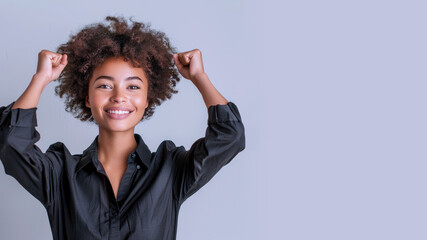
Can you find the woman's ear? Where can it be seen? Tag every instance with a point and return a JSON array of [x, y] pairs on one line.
[[87, 102]]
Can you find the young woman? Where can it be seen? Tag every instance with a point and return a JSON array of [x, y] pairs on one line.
[[115, 75]]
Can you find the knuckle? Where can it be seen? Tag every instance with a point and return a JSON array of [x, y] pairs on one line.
[[43, 52]]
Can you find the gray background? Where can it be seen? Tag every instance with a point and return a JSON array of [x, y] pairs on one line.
[[332, 95]]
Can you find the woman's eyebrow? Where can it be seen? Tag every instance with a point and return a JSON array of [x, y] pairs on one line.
[[112, 79]]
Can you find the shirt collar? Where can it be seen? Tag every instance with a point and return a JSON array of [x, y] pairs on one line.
[[91, 153]]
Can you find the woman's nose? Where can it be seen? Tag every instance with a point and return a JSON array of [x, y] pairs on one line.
[[118, 96]]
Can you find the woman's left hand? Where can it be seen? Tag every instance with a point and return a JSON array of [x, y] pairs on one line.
[[190, 64]]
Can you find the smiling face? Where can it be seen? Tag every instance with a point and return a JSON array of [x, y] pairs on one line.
[[117, 95]]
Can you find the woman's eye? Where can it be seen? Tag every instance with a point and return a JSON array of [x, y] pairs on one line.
[[134, 87], [103, 86]]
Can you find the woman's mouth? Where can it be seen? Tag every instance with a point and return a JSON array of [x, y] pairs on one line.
[[118, 114]]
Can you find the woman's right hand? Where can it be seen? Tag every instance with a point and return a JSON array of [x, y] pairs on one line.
[[50, 65]]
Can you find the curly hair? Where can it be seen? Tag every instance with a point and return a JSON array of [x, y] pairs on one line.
[[138, 44]]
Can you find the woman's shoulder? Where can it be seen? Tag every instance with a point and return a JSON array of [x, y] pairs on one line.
[[58, 147], [167, 146], [60, 150]]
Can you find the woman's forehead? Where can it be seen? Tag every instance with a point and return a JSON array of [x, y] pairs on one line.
[[118, 68]]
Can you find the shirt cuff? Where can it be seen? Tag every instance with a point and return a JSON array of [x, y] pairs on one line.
[[223, 113], [18, 117]]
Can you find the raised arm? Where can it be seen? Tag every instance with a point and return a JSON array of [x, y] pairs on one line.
[[224, 137], [36, 171]]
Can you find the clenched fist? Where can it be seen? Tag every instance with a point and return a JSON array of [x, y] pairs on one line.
[[50, 65], [189, 64]]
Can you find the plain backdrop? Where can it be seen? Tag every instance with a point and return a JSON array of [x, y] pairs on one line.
[[332, 95]]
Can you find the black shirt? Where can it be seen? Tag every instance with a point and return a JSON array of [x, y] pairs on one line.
[[78, 196]]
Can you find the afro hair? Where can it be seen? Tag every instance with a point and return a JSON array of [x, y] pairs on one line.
[[136, 42]]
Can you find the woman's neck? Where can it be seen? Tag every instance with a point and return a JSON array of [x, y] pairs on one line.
[[115, 147]]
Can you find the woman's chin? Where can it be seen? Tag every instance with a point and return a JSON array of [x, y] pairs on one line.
[[117, 128]]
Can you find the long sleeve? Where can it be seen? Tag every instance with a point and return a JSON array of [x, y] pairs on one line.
[[36, 171], [224, 139]]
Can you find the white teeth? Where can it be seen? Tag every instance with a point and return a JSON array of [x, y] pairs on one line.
[[118, 112]]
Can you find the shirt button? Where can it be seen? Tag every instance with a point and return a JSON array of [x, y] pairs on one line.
[[113, 213], [132, 155], [138, 167]]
